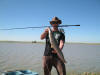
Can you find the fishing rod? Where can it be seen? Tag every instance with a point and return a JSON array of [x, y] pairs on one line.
[[38, 27]]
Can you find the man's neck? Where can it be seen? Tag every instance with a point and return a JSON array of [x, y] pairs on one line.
[[55, 29]]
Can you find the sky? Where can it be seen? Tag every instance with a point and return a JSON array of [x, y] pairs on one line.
[[32, 13]]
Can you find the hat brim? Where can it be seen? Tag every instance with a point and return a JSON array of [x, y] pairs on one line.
[[58, 21]]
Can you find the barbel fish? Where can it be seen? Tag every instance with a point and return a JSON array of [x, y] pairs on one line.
[[55, 46]]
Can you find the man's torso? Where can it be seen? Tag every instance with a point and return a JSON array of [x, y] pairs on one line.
[[58, 36]]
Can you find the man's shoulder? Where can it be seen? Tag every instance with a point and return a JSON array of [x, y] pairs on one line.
[[62, 33]]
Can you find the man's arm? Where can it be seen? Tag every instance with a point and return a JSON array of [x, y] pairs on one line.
[[61, 45], [62, 41]]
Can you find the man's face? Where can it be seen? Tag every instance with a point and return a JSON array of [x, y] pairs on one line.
[[55, 25]]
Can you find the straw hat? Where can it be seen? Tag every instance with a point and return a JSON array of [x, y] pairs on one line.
[[55, 20]]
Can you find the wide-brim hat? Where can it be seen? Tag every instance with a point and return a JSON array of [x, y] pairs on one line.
[[55, 20]]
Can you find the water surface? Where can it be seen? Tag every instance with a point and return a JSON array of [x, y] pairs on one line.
[[80, 57]]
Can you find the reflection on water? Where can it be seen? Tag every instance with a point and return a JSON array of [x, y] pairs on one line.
[[80, 57]]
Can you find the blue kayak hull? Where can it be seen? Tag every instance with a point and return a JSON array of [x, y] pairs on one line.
[[20, 72]]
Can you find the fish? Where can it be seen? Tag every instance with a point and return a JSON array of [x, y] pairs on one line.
[[54, 45]]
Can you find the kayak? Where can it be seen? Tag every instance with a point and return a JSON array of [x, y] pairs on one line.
[[20, 72]]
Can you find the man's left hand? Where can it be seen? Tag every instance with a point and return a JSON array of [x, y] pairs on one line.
[[54, 51]]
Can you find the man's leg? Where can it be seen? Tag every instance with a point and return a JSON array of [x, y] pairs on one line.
[[60, 67], [47, 65]]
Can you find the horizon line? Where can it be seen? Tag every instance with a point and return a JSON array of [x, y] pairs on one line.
[[34, 41]]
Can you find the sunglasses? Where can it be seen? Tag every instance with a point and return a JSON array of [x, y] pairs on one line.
[[53, 22]]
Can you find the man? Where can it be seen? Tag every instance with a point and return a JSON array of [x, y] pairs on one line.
[[50, 57]]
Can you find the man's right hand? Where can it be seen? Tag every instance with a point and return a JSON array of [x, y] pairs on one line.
[[44, 33], [46, 30]]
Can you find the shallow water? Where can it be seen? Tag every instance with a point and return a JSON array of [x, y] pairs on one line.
[[80, 57]]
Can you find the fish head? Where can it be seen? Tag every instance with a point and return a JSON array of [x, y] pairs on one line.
[[50, 36], [49, 29]]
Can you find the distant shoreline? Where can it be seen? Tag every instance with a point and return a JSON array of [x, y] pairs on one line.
[[20, 41], [7, 41]]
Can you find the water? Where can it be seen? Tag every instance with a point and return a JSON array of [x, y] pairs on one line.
[[80, 57]]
